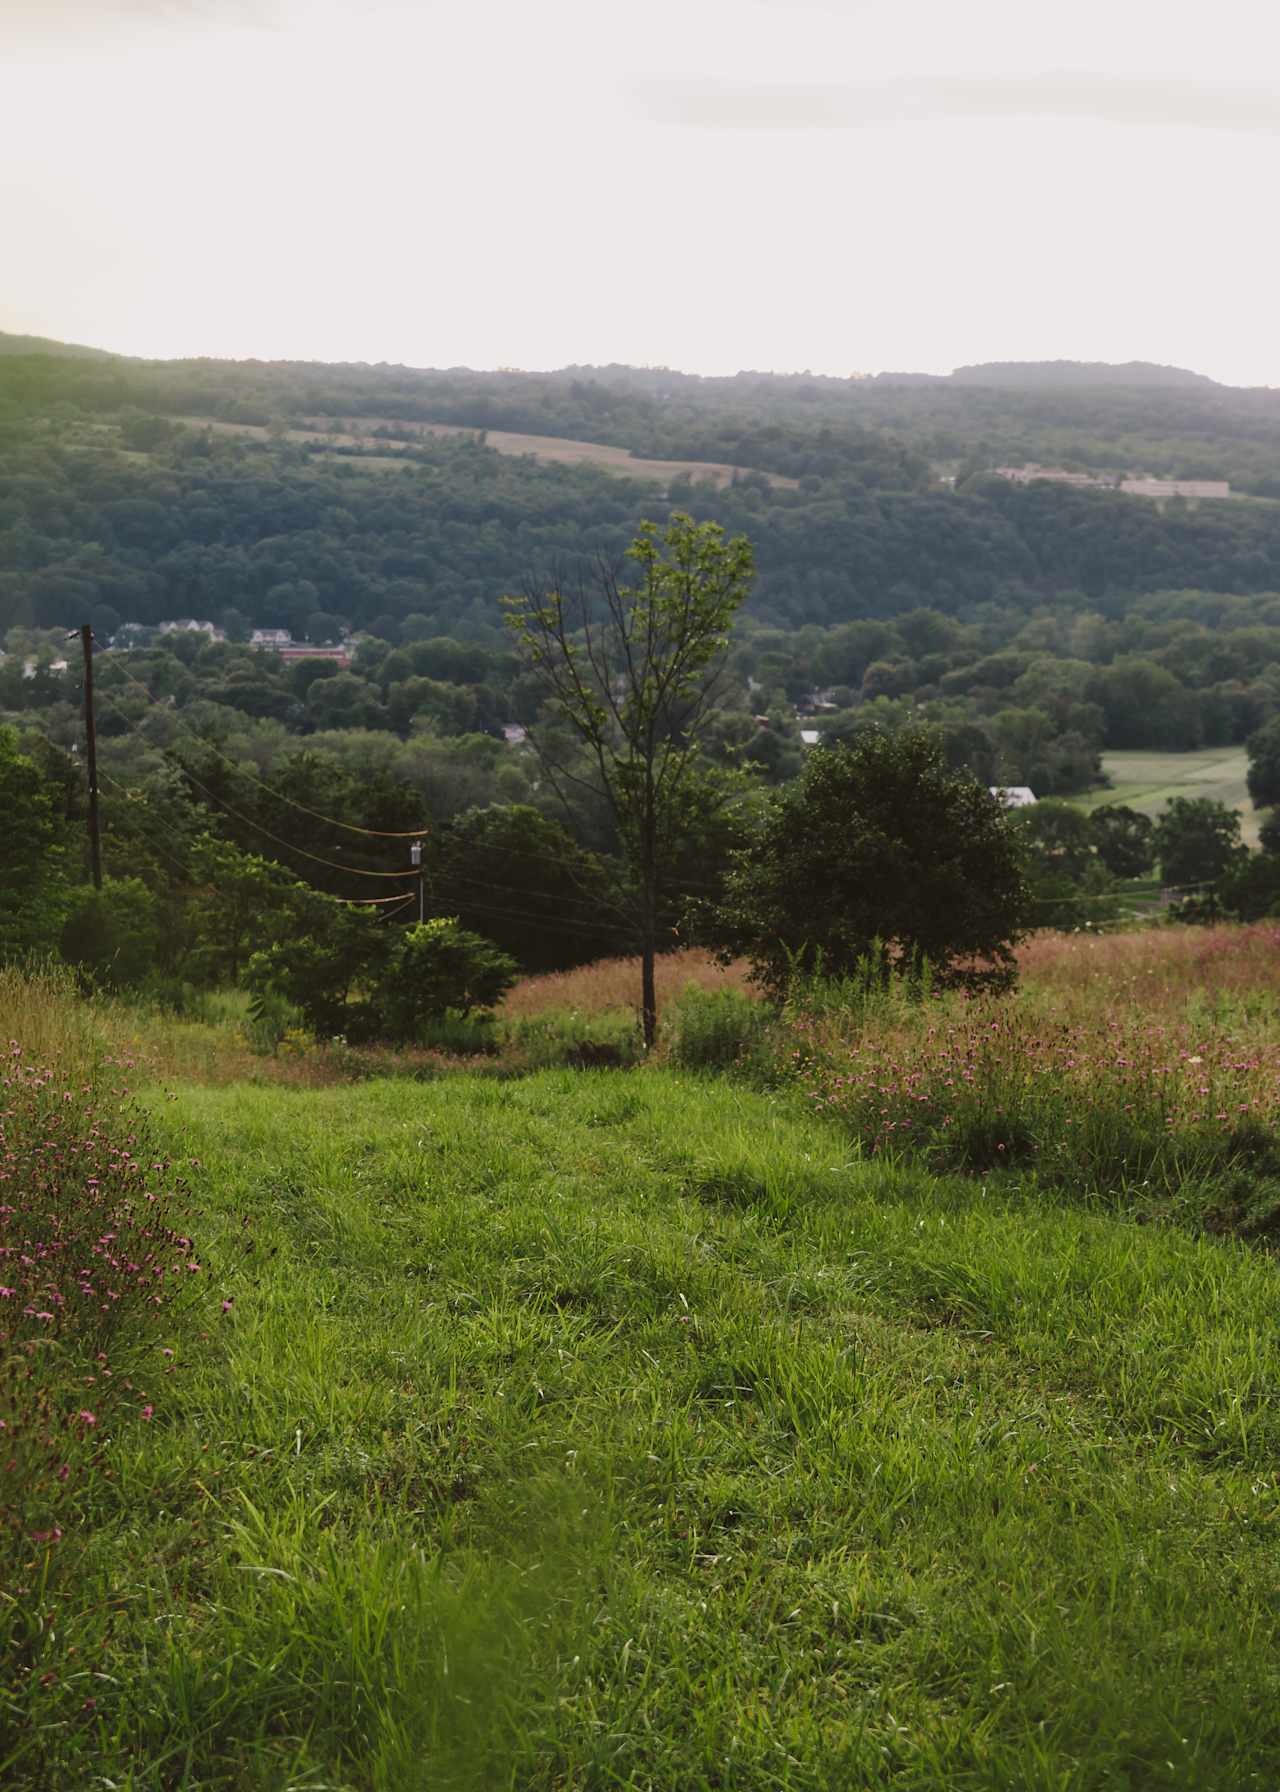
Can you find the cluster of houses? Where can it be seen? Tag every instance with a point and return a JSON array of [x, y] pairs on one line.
[[271, 640]]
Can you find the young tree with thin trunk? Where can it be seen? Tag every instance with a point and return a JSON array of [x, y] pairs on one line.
[[635, 669]]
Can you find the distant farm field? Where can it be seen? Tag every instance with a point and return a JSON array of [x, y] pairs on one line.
[[1146, 781], [358, 432]]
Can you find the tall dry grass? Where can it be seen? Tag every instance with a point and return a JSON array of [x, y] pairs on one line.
[[615, 983], [1158, 969], [1136, 1064], [39, 1011]]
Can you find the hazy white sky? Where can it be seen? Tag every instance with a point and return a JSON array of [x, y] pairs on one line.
[[707, 184]]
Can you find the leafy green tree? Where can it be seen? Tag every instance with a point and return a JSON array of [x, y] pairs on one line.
[[436, 968], [1059, 836], [35, 891], [345, 701], [634, 671], [521, 879], [330, 952], [1250, 889], [323, 628], [239, 902], [113, 935], [1146, 706], [1269, 832], [1196, 840], [1263, 776], [1123, 839], [878, 848], [351, 976]]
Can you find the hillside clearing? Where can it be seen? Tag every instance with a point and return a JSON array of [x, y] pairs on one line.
[[1147, 781], [358, 432]]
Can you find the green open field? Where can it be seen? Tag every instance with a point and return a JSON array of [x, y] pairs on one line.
[[639, 1431], [1146, 781]]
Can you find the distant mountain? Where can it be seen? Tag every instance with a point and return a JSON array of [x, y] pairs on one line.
[[910, 379], [1038, 376], [45, 345]]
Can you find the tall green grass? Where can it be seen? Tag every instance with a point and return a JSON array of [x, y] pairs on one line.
[[597, 1431]]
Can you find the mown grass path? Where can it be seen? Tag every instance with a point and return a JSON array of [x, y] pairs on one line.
[[604, 1431]]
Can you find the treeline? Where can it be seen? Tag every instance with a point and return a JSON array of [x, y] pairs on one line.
[[887, 433]]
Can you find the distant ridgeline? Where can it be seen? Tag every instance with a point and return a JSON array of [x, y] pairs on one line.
[[190, 488]]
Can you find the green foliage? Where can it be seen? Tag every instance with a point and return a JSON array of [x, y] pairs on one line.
[[1250, 888], [877, 847], [520, 878], [113, 935], [320, 964], [1071, 885], [1264, 765], [717, 1029], [35, 892], [351, 976], [1059, 837], [269, 1019], [1123, 839], [1196, 840], [436, 968], [241, 901]]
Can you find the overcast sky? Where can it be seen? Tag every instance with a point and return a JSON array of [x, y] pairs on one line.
[[841, 185]]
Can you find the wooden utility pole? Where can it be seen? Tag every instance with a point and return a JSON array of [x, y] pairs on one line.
[[91, 758]]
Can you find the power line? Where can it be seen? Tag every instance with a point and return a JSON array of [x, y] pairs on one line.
[[315, 814], [403, 899], [372, 833], [248, 821], [564, 925], [185, 870], [332, 864]]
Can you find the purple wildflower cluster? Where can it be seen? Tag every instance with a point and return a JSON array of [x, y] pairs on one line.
[[87, 1260], [980, 1084]]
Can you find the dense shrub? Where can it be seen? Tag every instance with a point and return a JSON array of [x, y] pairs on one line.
[[352, 978], [112, 935]]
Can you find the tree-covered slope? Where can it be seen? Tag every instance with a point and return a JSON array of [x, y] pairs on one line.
[[153, 519]]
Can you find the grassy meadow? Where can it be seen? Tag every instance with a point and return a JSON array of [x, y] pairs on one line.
[[1146, 782], [654, 1428]]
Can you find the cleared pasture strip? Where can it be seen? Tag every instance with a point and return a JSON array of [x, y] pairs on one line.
[[355, 432], [1146, 782]]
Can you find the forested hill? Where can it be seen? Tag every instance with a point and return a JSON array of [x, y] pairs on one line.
[[1073, 375], [161, 489], [45, 345]]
